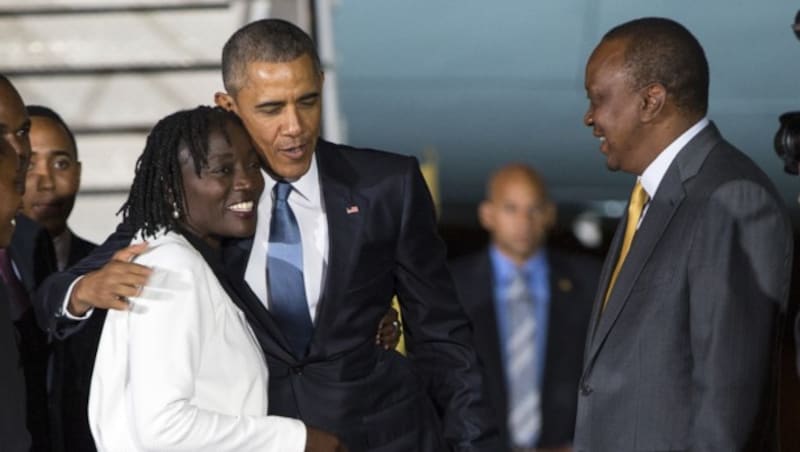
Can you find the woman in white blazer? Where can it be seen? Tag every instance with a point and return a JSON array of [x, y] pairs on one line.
[[181, 368]]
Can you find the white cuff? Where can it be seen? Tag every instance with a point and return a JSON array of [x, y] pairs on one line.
[[65, 312], [293, 434]]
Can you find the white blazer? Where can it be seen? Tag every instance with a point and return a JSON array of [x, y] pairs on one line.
[[182, 370]]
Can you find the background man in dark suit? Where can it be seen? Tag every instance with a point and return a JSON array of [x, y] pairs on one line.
[[367, 230], [681, 352], [518, 214], [51, 185], [14, 435]]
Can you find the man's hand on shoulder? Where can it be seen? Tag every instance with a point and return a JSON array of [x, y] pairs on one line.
[[319, 441], [110, 286]]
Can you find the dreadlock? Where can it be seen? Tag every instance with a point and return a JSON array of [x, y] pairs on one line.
[[157, 188]]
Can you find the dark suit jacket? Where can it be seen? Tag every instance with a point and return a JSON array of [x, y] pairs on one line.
[[78, 249], [73, 361], [573, 282], [14, 435], [682, 358], [31, 250], [373, 399]]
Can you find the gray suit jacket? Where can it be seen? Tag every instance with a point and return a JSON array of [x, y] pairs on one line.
[[682, 356]]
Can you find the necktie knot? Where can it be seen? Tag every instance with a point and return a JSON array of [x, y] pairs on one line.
[[282, 189], [639, 198], [518, 287]]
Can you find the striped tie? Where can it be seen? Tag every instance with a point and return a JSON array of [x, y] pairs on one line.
[[524, 419], [287, 292]]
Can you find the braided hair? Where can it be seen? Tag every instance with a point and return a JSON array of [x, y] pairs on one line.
[[157, 188]]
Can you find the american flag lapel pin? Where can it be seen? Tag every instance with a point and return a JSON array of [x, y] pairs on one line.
[[351, 210]]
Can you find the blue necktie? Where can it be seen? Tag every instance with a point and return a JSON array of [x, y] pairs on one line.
[[287, 292]]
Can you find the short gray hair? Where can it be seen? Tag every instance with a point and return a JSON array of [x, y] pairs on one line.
[[268, 40]]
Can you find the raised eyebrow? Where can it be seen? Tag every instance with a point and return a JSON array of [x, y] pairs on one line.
[[220, 156], [270, 104], [309, 96], [59, 153]]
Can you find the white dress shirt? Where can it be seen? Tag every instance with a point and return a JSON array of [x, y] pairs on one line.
[[306, 202], [181, 369], [654, 173]]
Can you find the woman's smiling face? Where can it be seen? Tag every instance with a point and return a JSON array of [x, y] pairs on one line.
[[221, 201]]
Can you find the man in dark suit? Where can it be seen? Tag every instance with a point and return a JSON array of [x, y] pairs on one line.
[[559, 289], [681, 353], [14, 434], [51, 185], [367, 231], [33, 258], [27, 260]]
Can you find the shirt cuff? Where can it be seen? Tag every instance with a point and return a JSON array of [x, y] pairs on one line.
[[293, 433], [65, 312]]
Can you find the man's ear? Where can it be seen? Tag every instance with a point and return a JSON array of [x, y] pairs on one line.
[[486, 215], [225, 101], [654, 97]]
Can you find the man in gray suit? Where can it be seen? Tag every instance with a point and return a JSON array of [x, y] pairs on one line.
[[680, 351]]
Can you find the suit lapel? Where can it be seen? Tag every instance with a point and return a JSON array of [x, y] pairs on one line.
[[662, 208], [605, 278], [659, 213], [234, 257], [475, 283], [561, 292], [560, 365], [24, 249], [484, 321], [78, 249], [345, 210]]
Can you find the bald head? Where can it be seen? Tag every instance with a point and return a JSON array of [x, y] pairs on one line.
[[10, 99], [515, 174], [517, 211]]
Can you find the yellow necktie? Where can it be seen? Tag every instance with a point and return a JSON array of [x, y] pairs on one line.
[[638, 199]]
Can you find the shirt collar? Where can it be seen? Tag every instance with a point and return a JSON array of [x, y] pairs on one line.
[[505, 269], [307, 186], [654, 173]]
